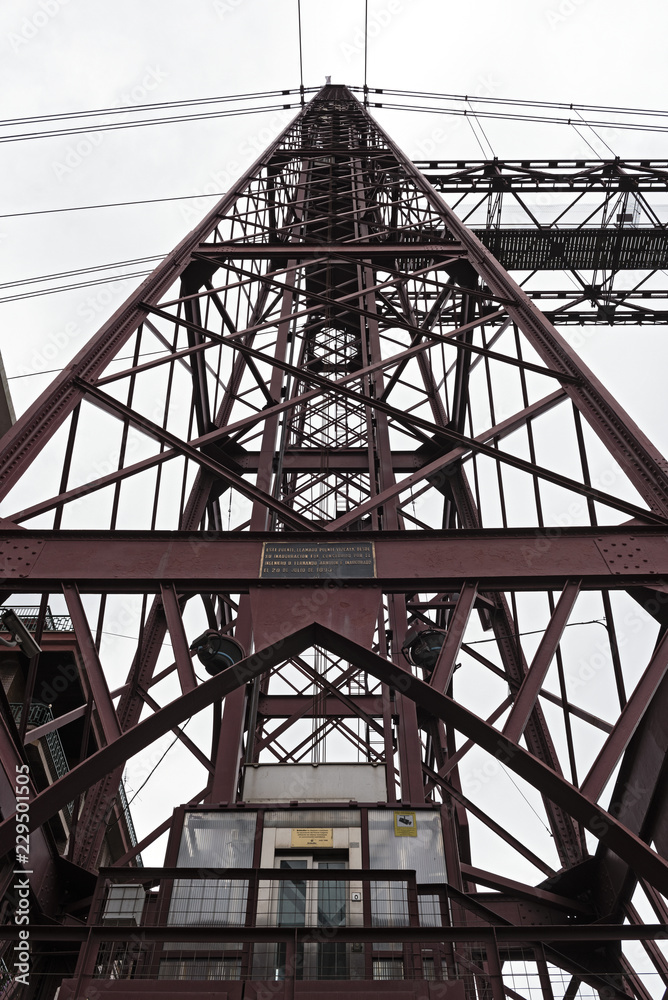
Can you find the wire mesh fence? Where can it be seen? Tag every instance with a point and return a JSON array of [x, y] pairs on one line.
[[301, 924]]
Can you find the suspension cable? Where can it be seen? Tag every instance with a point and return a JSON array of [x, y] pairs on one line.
[[75, 285], [600, 138], [522, 102], [543, 119], [114, 126], [301, 54], [112, 204], [153, 106], [366, 49], [475, 117]]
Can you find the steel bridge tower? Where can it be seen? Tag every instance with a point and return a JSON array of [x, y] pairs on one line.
[[349, 492]]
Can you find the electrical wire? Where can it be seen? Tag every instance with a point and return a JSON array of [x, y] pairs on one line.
[[193, 102], [301, 57], [485, 136], [540, 119], [112, 204], [469, 119], [537, 631], [475, 136], [77, 284], [540, 818], [366, 49], [81, 270], [522, 102], [73, 286], [55, 371], [584, 138], [262, 95], [115, 126], [287, 91], [600, 138], [152, 772]]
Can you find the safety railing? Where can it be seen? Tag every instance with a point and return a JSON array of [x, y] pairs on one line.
[[286, 926], [281, 925], [273, 931], [52, 623], [38, 714]]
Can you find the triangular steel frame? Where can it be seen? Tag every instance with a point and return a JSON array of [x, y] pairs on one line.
[[299, 327]]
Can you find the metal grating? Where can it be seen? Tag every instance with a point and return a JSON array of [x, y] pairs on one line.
[[578, 249]]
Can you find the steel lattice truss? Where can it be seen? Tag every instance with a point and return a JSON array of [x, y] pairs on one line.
[[600, 224], [332, 356]]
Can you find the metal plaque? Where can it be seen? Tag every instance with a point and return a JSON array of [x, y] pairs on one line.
[[312, 836], [317, 560]]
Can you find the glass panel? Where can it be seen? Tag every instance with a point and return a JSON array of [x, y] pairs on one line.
[[332, 955], [429, 908], [213, 840], [388, 968], [217, 840], [424, 852], [221, 902], [200, 969], [291, 913], [332, 960], [292, 897], [124, 904], [389, 904], [332, 897], [428, 969], [283, 818]]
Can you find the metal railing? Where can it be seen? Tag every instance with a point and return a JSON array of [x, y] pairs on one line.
[[30, 615], [125, 806], [280, 897], [270, 935], [274, 924], [6, 981], [38, 714]]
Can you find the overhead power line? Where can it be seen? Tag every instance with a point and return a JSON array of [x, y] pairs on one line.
[[562, 105], [540, 119], [88, 283], [115, 126], [112, 204], [81, 270], [77, 284], [577, 108], [287, 91], [53, 371], [153, 106], [301, 54], [366, 50]]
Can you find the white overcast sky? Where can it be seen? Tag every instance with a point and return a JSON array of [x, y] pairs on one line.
[[65, 55]]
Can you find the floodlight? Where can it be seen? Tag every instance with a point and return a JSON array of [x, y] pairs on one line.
[[22, 636], [422, 648], [217, 651]]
